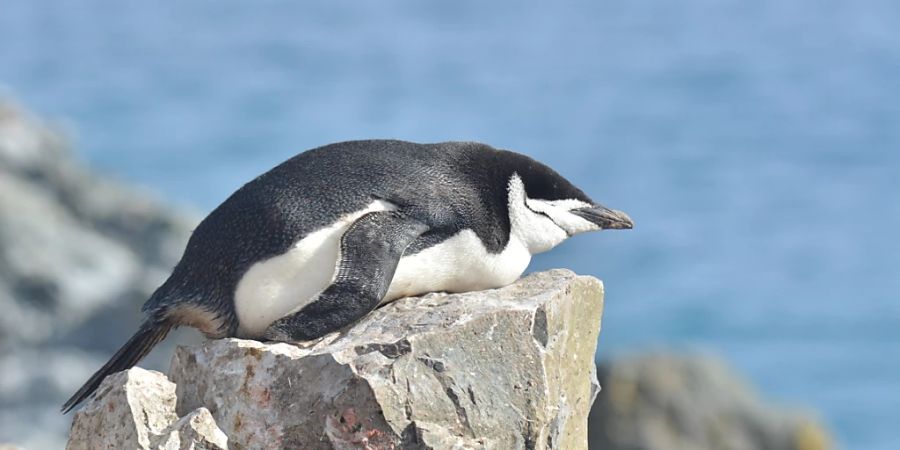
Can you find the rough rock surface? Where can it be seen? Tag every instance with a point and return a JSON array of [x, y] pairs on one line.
[[658, 402], [511, 368], [135, 409], [79, 253], [506, 369]]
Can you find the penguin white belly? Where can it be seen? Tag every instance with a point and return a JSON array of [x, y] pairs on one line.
[[458, 264], [282, 284]]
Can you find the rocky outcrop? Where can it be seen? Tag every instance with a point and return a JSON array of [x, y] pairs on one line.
[[658, 402], [79, 253], [510, 368]]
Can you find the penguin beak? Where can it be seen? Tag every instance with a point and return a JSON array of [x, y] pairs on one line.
[[605, 218]]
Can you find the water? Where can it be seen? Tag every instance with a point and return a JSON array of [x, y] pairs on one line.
[[756, 145]]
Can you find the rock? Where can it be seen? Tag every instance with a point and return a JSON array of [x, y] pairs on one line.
[[131, 409], [195, 431], [692, 403], [79, 254], [511, 368], [136, 409], [72, 242]]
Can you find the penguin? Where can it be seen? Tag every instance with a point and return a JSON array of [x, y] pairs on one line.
[[314, 244]]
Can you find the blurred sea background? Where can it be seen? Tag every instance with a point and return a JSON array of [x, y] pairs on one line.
[[756, 145]]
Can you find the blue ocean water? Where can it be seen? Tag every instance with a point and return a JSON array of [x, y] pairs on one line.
[[756, 145]]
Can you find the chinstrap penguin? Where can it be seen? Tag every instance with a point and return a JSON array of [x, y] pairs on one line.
[[320, 240]]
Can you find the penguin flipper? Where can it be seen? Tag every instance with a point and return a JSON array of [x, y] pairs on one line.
[[370, 251]]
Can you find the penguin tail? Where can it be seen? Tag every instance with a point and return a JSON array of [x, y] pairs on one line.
[[148, 335]]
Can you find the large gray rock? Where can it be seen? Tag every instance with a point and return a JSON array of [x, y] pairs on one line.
[[79, 253], [72, 242], [660, 402], [511, 368]]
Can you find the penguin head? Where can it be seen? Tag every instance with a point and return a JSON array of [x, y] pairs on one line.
[[545, 208]]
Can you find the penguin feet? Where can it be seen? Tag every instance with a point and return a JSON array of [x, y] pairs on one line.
[[279, 334], [370, 251], [291, 329], [338, 306]]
